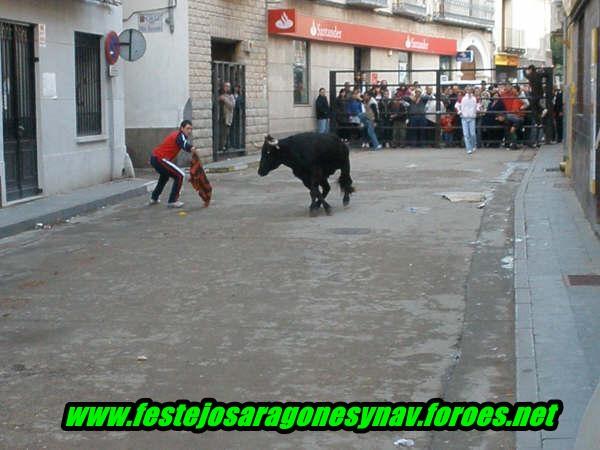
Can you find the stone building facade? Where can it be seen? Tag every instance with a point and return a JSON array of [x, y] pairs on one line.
[[388, 39], [239, 26], [178, 79]]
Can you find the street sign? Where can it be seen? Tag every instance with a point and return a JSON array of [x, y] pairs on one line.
[[150, 23], [466, 56], [133, 44], [112, 48]]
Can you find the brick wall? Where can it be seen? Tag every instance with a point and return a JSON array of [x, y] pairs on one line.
[[239, 20]]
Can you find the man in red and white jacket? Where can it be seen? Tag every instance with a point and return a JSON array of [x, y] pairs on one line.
[[162, 160]]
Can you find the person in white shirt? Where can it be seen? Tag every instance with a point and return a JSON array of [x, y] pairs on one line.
[[467, 108]]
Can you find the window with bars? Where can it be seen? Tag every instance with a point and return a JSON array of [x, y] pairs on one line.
[[301, 61], [445, 66], [87, 84]]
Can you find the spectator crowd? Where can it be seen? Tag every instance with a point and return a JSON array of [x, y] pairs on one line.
[[473, 116]]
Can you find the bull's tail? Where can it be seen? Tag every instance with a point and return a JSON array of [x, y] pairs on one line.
[[345, 181]]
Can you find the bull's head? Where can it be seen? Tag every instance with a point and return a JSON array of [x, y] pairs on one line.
[[270, 156]]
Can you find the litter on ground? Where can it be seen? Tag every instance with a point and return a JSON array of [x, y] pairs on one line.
[[473, 197]]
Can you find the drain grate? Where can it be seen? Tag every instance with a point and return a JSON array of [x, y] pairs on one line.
[[583, 280], [348, 231], [552, 169]]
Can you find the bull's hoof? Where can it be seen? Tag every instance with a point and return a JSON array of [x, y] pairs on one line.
[[346, 201], [314, 210], [327, 208]]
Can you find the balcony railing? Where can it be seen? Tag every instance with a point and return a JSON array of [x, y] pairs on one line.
[[411, 8], [368, 4], [514, 41], [471, 13]]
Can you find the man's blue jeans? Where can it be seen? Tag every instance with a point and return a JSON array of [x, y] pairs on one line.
[[323, 126], [469, 133], [370, 131]]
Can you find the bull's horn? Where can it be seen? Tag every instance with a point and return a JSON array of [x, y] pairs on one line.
[[274, 142], [256, 145]]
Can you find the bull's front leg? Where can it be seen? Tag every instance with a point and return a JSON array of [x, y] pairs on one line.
[[315, 193], [315, 203], [326, 188], [316, 198]]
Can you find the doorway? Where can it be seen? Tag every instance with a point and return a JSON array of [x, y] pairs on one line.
[[18, 110], [362, 61], [229, 139]]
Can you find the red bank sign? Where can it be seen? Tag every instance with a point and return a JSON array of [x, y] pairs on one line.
[[288, 22]]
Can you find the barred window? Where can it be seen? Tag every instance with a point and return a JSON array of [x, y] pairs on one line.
[[300, 72], [87, 84], [445, 66], [404, 67]]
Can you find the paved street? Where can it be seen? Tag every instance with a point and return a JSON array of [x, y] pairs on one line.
[[401, 297]]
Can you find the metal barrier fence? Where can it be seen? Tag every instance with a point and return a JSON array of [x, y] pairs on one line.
[[511, 114]]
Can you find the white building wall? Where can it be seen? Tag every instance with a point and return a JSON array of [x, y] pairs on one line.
[[157, 84], [66, 162]]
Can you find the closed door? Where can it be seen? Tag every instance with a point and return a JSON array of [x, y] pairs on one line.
[[18, 110]]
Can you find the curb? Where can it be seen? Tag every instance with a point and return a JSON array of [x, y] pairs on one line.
[[67, 213], [227, 169], [233, 167], [526, 368]]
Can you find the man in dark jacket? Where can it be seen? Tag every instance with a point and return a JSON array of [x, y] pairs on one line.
[[538, 102], [323, 112]]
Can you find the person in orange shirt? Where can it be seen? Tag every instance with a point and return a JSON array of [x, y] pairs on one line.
[[447, 125], [162, 161], [513, 119]]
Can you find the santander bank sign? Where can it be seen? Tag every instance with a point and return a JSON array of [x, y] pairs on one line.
[[291, 23], [318, 30], [416, 44]]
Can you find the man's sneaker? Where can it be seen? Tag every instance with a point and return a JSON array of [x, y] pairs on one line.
[[175, 205], [379, 147], [153, 202]]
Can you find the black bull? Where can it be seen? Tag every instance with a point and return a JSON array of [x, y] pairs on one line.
[[313, 158]]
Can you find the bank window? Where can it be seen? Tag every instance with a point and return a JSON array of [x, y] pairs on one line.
[[445, 66], [301, 72], [87, 84], [404, 67]]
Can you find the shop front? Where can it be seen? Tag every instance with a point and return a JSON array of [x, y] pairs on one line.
[[304, 48], [506, 67]]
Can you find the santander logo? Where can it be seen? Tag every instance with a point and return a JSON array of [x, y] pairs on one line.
[[284, 22], [324, 31], [413, 43]]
